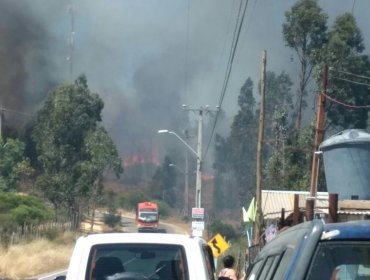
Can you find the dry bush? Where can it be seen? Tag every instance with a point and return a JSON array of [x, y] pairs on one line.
[[37, 257]]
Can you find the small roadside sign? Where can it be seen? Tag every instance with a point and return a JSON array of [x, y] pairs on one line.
[[197, 225], [198, 233], [218, 245], [197, 213]]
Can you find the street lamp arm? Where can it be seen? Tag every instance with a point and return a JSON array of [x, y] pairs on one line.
[[182, 140], [178, 168], [186, 144]]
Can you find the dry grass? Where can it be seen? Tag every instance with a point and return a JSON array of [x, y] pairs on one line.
[[37, 257], [41, 256]]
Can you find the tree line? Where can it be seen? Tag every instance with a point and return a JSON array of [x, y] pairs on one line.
[[64, 155], [289, 133], [66, 152], [289, 120]]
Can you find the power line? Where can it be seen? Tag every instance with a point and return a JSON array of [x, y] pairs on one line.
[[229, 67], [350, 81], [226, 38], [353, 74], [187, 45], [2, 109], [353, 6]]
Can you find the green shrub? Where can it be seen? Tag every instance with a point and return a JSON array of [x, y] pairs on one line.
[[164, 208], [112, 220], [23, 210], [225, 230], [52, 234]]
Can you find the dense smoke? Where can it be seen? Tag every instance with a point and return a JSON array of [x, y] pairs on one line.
[[145, 58], [24, 64]]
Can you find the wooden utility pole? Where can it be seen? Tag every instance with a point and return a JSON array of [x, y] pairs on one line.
[[319, 132], [1, 123], [261, 128]]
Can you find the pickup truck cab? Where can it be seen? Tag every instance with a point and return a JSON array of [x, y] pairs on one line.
[[315, 250], [140, 256]]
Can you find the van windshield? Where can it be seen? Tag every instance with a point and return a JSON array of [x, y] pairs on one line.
[[148, 216], [336, 260], [136, 262]]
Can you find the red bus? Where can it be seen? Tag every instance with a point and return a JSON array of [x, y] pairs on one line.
[[147, 216]]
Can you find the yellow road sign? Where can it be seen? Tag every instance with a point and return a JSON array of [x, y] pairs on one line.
[[218, 245]]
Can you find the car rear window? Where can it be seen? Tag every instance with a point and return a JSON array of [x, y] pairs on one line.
[[154, 261], [341, 260]]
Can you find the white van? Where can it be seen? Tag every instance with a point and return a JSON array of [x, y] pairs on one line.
[[140, 256]]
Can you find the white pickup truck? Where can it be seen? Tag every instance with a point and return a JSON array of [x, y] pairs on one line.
[[140, 256]]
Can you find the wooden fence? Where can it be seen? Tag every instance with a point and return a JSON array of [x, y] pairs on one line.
[[29, 232]]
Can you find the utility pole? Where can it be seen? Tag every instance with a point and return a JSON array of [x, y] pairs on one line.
[[259, 216], [186, 191], [1, 122], [319, 132], [198, 186]]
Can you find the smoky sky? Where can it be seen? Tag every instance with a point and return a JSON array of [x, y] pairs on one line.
[[24, 44], [144, 57]]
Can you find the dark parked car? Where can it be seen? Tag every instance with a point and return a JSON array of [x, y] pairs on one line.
[[316, 251]]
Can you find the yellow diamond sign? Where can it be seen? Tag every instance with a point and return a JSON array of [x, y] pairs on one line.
[[218, 245]]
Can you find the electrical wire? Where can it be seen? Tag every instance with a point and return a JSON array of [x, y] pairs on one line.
[[187, 46], [352, 74], [350, 81], [226, 39], [2, 109], [238, 28]]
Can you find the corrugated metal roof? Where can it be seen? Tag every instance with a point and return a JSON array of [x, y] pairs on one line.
[[348, 212], [274, 201]]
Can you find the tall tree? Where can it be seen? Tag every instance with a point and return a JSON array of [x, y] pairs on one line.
[[101, 157], [243, 142], [164, 182], [305, 32], [278, 104], [222, 167], [64, 132], [344, 54], [278, 121]]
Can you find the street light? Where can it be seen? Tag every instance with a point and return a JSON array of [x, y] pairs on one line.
[[178, 168], [182, 140], [198, 186]]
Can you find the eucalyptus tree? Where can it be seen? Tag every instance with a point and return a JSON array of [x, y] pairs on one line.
[[73, 150], [164, 182], [305, 32], [243, 143], [278, 122], [222, 167], [278, 105], [349, 68], [101, 157]]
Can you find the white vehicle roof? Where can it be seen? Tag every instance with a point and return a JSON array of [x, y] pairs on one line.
[[155, 238]]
